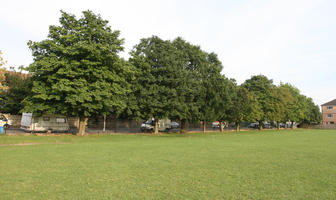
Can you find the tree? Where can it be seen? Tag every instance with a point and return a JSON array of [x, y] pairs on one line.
[[282, 100], [264, 91], [210, 89], [227, 94], [294, 104], [244, 107], [2, 74], [175, 80], [312, 114], [155, 62], [191, 60], [77, 70], [18, 87]]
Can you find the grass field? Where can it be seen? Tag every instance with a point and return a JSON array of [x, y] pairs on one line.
[[298, 164]]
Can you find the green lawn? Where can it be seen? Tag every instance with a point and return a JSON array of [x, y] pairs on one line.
[[298, 164]]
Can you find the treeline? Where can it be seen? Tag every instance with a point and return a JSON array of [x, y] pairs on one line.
[[77, 71]]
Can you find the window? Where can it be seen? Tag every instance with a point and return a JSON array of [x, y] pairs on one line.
[[330, 116], [46, 119], [60, 120], [330, 107]]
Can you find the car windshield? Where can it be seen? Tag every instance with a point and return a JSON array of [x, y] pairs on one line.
[[3, 118], [149, 121]]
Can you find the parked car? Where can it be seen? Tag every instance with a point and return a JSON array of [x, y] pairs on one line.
[[174, 125], [256, 125], [282, 125], [266, 125], [215, 124], [253, 125], [4, 121]]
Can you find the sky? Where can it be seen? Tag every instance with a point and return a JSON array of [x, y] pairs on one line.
[[289, 41]]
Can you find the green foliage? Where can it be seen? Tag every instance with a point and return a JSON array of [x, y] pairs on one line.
[[211, 88], [286, 103], [2, 74], [203, 91], [265, 93], [294, 103], [77, 70], [157, 77], [245, 106], [19, 87], [178, 80], [312, 112], [190, 60]]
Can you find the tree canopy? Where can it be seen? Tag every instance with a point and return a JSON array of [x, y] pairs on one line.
[[265, 93], [18, 87], [177, 80], [245, 107], [77, 70], [158, 78]]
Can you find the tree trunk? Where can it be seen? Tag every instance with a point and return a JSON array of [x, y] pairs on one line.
[[82, 124], [156, 126], [221, 126], [292, 125], [183, 126], [237, 126], [278, 125], [260, 126], [104, 128], [204, 126]]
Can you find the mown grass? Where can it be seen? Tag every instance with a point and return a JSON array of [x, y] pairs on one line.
[[298, 164]]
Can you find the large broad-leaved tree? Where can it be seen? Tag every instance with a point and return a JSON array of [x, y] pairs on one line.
[[191, 61], [244, 107], [265, 93], [158, 78], [210, 98], [77, 70]]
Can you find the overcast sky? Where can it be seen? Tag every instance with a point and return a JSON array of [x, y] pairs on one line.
[[290, 41]]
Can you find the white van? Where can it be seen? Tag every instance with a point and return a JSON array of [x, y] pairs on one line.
[[44, 123]]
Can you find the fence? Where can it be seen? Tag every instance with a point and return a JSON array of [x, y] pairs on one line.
[[112, 124], [321, 126]]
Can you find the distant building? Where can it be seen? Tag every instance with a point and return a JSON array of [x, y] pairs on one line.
[[329, 112]]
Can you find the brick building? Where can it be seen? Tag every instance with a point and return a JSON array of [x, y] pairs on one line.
[[329, 112]]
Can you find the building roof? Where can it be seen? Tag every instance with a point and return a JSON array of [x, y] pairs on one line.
[[22, 75], [330, 103]]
